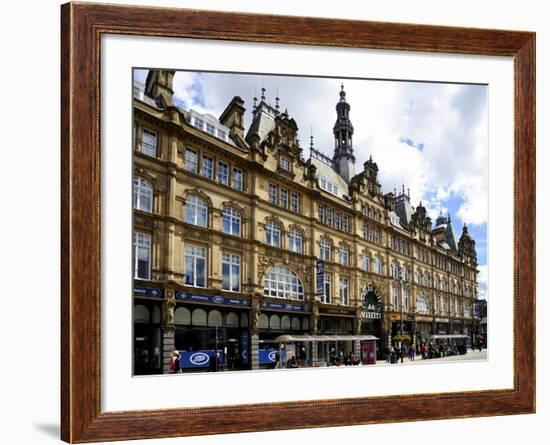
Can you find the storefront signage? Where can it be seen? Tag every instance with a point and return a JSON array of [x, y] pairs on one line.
[[442, 320], [320, 274], [285, 306], [211, 299], [372, 303], [269, 356], [148, 292], [421, 318], [350, 313], [198, 359]]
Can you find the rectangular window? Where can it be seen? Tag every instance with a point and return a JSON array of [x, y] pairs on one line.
[[330, 216], [222, 135], [142, 256], [237, 179], [207, 167], [231, 272], [199, 123], [272, 193], [223, 173], [210, 129], [191, 163], [327, 288], [295, 202], [283, 198], [345, 223], [321, 213], [338, 220], [395, 298], [285, 164], [344, 256], [148, 142], [344, 291], [195, 266]]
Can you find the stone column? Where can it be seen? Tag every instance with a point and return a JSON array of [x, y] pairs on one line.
[[254, 337], [313, 327], [168, 329]]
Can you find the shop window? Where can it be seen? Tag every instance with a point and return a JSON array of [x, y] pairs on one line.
[[215, 318], [232, 320], [296, 324], [182, 316], [263, 322], [141, 314], [285, 322], [275, 322], [199, 317]]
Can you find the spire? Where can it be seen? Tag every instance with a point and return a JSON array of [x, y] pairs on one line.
[[343, 158]]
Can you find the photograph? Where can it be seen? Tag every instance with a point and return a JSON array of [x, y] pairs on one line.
[[284, 221]]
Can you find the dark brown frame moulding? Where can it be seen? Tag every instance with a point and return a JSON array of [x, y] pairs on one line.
[[82, 25]]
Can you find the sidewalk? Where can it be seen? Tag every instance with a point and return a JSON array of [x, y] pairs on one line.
[[470, 355]]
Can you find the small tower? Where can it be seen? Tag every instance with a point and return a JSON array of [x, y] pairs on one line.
[[158, 86], [343, 158]]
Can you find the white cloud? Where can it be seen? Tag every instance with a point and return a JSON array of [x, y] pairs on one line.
[[445, 124]]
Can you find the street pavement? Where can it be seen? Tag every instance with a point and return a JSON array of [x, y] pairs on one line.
[[471, 355]]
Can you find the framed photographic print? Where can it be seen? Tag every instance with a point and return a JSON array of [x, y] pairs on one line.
[[285, 222]]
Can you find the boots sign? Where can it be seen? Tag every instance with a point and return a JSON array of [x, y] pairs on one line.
[[372, 303]]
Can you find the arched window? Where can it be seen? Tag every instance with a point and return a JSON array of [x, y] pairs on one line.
[[231, 221], [295, 240], [196, 211], [366, 262], [422, 305], [143, 194], [282, 282], [273, 234], [325, 250], [344, 255]]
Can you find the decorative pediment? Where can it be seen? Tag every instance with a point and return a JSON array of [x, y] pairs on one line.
[[199, 193]]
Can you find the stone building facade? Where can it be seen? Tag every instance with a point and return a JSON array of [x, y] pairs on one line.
[[232, 226]]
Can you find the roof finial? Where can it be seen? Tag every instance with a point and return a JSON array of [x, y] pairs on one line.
[[408, 192], [449, 217], [255, 99], [277, 100], [263, 94]]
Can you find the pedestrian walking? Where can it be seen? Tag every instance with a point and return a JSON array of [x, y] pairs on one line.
[[175, 361]]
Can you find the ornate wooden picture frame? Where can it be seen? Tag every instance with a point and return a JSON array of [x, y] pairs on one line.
[[82, 26]]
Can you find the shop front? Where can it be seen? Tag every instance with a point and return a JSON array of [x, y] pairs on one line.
[[211, 327], [278, 319], [424, 326], [402, 329], [371, 318], [333, 323], [442, 326], [147, 334]]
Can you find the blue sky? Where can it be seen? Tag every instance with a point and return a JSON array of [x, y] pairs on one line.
[[430, 137]]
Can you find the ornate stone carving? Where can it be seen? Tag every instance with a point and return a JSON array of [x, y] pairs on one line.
[[264, 264], [314, 319], [170, 306]]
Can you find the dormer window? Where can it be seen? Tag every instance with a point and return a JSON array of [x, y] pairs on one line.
[[210, 129], [199, 123]]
